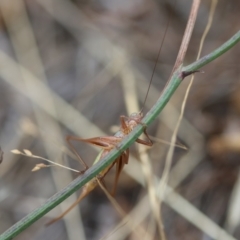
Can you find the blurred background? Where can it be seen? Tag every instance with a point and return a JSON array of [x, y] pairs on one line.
[[73, 67]]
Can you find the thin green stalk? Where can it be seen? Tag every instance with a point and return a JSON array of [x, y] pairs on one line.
[[169, 90], [213, 55]]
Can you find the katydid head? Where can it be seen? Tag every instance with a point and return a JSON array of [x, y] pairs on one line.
[[137, 116], [134, 119]]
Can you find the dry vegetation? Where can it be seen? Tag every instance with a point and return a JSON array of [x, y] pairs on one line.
[[73, 67]]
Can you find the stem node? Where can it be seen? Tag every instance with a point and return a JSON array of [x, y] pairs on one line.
[[188, 73]]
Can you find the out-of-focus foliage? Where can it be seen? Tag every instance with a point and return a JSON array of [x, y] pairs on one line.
[[83, 51]]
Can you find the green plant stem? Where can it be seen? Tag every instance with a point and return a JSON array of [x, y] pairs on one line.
[[168, 91], [213, 55]]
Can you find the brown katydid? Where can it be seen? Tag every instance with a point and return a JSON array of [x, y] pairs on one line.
[[107, 143]]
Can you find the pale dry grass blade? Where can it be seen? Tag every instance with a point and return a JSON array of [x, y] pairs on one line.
[[173, 200], [61, 105], [152, 193], [68, 14], [162, 184], [181, 55], [195, 216], [64, 111], [178, 204], [27, 53], [137, 215], [209, 24], [12, 77], [233, 212], [186, 164], [137, 231], [194, 138], [27, 153], [195, 156], [131, 102]]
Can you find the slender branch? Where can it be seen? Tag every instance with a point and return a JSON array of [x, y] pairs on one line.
[[173, 84], [187, 34], [213, 55]]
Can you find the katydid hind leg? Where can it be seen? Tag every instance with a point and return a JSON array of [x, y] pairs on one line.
[[147, 142], [68, 139], [107, 143], [82, 195], [123, 159]]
